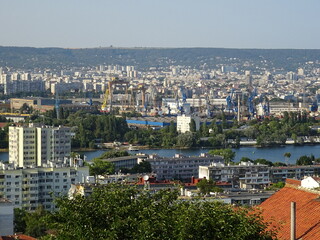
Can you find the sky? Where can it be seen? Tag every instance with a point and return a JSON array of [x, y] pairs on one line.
[[160, 23]]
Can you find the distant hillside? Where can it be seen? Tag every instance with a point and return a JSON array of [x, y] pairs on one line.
[[59, 58]]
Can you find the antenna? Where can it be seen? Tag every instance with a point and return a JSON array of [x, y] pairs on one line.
[[146, 182]]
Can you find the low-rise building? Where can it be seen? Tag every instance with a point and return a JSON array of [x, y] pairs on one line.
[[246, 175], [180, 167], [127, 162], [280, 174]]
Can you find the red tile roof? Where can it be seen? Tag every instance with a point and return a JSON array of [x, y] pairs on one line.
[[17, 237], [277, 209], [293, 181]]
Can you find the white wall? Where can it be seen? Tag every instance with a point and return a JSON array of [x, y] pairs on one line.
[[310, 183]]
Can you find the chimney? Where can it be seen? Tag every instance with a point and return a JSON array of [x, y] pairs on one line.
[[293, 221]]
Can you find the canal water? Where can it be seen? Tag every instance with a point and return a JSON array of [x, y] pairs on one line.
[[274, 154]]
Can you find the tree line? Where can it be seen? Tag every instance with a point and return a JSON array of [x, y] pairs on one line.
[[124, 212], [92, 130]]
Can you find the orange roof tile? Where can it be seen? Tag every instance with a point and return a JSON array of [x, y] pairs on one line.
[[277, 209], [293, 181], [17, 237]]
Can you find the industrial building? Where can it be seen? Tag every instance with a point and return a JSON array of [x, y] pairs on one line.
[[41, 104]]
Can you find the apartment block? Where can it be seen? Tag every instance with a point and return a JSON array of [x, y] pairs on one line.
[[183, 123], [180, 167], [246, 175], [36, 145], [280, 174], [28, 188]]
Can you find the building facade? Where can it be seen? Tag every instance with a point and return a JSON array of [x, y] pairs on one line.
[[246, 175], [280, 174], [180, 167], [183, 123], [37, 145], [28, 188]]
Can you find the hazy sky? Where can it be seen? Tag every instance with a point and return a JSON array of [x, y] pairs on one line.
[[160, 23]]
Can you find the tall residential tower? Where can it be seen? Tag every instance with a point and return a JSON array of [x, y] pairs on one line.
[[36, 145]]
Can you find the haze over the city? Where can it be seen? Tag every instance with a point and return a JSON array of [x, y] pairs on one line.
[[145, 23]]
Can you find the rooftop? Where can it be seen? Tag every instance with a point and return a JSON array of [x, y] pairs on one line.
[[17, 237], [277, 210]]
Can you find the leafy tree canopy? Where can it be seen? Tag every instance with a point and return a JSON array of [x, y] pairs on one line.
[[142, 167], [123, 212], [206, 186], [304, 160], [263, 161], [227, 154], [279, 164], [114, 154], [101, 167]]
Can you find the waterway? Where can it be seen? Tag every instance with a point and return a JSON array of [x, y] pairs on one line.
[[274, 154]]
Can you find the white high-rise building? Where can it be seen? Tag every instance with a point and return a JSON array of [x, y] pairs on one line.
[[38, 145], [28, 188], [183, 123]]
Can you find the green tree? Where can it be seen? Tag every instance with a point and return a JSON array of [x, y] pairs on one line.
[[304, 160], [36, 224], [206, 186], [287, 156], [142, 167], [193, 126], [114, 154], [279, 185], [227, 154], [25, 109], [172, 128], [19, 221], [186, 140], [101, 167], [279, 164], [30, 223], [263, 161], [246, 159], [123, 212]]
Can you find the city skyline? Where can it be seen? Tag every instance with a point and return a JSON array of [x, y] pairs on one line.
[[227, 24]]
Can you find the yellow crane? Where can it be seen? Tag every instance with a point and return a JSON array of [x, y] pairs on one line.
[[104, 106]]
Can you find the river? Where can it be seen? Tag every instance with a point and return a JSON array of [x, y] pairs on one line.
[[274, 154]]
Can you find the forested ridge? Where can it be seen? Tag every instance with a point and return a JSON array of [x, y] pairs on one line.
[[143, 58]]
